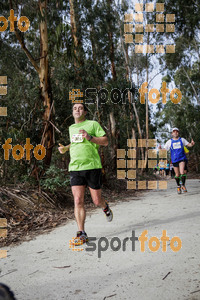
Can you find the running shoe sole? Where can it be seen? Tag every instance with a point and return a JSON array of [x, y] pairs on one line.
[[110, 216], [184, 190]]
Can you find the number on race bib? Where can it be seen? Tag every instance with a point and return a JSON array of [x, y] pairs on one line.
[[77, 138], [177, 145]]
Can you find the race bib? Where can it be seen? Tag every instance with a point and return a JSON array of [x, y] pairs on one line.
[[77, 138], [177, 145]]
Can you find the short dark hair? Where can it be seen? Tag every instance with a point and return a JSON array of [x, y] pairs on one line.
[[84, 106]]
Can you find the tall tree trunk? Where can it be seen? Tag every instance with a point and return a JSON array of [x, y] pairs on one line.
[[44, 77], [101, 151], [130, 99], [147, 107], [94, 56], [112, 56], [114, 136], [114, 78], [192, 85], [78, 49], [111, 44], [45, 87], [73, 26]]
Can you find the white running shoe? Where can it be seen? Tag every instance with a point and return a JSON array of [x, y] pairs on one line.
[[108, 212]]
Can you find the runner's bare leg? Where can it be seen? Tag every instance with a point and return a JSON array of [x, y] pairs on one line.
[[182, 167], [97, 199], [176, 170], [78, 192]]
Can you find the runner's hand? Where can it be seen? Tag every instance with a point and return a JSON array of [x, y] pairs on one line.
[[62, 149], [192, 143], [84, 134]]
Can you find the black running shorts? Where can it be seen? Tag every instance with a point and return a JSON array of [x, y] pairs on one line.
[[176, 164], [91, 178]]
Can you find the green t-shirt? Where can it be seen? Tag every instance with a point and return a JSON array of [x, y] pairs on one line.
[[83, 153]]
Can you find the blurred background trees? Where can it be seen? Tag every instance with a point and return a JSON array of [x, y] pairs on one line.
[[79, 45]]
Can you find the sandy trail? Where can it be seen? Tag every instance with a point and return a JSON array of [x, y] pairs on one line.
[[46, 268]]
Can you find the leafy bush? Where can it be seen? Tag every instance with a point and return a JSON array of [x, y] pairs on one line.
[[54, 178]]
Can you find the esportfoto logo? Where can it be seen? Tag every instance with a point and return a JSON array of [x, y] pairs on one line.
[[153, 243], [128, 163], [163, 24], [3, 92]]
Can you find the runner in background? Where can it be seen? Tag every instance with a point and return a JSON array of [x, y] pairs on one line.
[[155, 169], [162, 167], [178, 157], [167, 169]]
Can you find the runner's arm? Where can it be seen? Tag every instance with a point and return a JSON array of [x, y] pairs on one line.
[[62, 149], [102, 140], [167, 145], [190, 144]]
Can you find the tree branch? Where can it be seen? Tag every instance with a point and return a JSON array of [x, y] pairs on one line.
[[194, 90], [28, 54]]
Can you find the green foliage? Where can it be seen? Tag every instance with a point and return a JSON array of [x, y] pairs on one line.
[[54, 179], [89, 66]]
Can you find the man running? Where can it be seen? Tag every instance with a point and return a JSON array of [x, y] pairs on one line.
[[85, 166], [178, 157]]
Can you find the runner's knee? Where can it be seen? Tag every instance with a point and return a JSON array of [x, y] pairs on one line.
[[97, 201], [79, 201]]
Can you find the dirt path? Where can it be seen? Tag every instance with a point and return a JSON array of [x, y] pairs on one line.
[[46, 268]]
